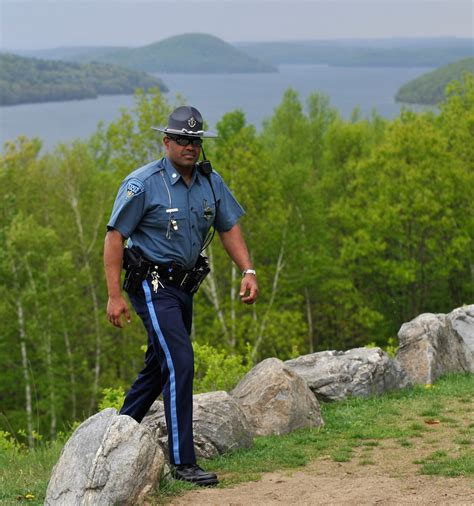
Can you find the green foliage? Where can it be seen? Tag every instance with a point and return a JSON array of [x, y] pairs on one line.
[[29, 80], [112, 398], [8, 443], [430, 88], [216, 370], [354, 228], [390, 348], [24, 475]]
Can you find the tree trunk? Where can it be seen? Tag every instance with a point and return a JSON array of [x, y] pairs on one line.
[[24, 362], [48, 349], [52, 390], [233, 277], [263, 324], [72, 376], [210, 290], [309, 317], [73, 201]]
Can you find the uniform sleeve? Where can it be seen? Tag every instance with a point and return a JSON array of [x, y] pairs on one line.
[[229, 210], [129, 207]]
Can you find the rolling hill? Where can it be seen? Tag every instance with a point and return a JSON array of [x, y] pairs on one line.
[[188, 53], [29, 80], [362, 53], [429, 89], [203, 53]]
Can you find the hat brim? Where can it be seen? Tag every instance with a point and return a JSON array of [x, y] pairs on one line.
[[186, 133]]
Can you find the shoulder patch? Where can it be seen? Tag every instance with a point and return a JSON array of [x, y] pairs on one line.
[[134, 188]]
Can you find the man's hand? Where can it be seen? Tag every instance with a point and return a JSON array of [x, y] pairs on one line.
[[116, 306], [249, 289]]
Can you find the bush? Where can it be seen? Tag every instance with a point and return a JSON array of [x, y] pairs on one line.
[[8, 443], [390, 348], [112, 398], [214, 370]]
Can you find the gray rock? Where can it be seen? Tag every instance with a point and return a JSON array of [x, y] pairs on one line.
[[430, 347], [219, 424], [360, 372], [110, 459], [276, 400], [462, 321]]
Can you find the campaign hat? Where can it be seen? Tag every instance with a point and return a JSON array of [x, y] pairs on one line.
[[187, 121]]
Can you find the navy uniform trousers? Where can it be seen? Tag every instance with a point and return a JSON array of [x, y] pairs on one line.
[[169, 366]]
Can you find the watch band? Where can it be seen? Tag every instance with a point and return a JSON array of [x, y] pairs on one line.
[[249, 271]]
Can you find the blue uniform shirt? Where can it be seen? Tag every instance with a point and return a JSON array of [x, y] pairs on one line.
[[154, 199]]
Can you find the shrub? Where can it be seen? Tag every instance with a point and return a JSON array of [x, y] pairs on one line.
[[112, 398], [214, 370]]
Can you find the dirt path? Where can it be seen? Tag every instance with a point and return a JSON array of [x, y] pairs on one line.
[[390, 479]]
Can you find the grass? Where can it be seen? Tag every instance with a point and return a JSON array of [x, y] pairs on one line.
[[24, 475], [354, 429], [451, 465], [363, 424]]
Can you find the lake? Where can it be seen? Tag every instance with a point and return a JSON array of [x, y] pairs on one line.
[[215, 94]]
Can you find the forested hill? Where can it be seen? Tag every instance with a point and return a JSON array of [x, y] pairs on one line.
[[70, 53], [29, 80], [365, 53], [430, 88], [202, 53], [188, 53]]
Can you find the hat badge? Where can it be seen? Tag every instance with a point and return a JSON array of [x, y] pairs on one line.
[[192, 122]]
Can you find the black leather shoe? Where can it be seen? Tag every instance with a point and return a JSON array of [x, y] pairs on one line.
[[194, 474]]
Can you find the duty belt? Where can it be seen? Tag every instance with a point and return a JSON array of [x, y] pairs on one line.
[[174, 274], [138, 268]]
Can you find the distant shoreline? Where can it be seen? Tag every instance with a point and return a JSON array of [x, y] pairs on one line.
[[78, 99], [31, 80], [220, 74], [256, 95]]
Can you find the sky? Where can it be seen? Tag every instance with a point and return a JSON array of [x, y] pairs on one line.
[[41, 24]]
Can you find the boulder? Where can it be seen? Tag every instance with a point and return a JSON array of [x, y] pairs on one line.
[[219, 424], [110, 459], [430, 346], [276, 400], [360, 372], [462, 321]]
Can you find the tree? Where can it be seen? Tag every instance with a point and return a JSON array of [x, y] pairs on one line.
[[406, 224]]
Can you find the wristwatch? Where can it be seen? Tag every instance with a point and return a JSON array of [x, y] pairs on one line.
[[249, 271]]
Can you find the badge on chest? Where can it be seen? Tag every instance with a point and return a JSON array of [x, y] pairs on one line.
[[208, 214]]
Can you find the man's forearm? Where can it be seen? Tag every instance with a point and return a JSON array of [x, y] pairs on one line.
[[113, 258], [234, 243]]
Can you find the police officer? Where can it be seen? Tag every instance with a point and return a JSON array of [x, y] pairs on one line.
[[165, 209]]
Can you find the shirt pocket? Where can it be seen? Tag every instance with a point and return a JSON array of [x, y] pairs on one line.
[[176, 223], [163, 221]]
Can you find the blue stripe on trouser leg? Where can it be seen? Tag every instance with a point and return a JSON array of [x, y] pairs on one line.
[[169, 362], [172, 310]]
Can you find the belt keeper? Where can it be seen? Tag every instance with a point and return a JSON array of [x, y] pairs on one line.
[[184, 279]]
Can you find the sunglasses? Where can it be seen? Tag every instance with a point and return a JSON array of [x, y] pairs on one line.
[[185, 141]]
